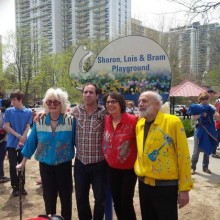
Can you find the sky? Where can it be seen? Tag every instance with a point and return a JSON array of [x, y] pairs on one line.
[[7, 16], [156, 14], [146, 10]]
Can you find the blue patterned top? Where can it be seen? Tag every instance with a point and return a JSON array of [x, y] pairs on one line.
[[52, 148]]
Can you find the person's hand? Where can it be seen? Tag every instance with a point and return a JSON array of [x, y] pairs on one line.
[[204, 114], [22, 140], [20, 144], [183, 198], [38, 116], [20, 167], [217, 117], [195, 117]]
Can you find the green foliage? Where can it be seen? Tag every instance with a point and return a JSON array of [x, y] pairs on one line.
[[212, 78], [35, 75], [54, 72], [189, 129], [8, 80]]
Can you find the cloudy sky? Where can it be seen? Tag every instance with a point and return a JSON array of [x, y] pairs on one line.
[[7, 16], [154, 13]]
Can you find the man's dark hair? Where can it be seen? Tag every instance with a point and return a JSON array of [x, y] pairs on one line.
[[98, 91], [117, 96], [211, 91], [6, 103], [17, 94]]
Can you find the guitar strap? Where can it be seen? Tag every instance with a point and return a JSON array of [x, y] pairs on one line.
[[214, 138]]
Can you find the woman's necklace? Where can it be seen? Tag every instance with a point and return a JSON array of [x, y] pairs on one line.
[[115, 122], [53, 124], [54, 119]]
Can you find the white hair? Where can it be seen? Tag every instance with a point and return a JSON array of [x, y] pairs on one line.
[[58, 94], [157, 97], [165, 108]]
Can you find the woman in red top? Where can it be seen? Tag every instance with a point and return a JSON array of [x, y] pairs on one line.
[[120, 151], [217, 126]]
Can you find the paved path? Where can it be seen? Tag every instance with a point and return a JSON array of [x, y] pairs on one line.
[[205, 196], [214, 166]]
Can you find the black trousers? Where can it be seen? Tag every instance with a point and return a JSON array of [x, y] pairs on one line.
[[2, 157], [122, 184], [15, 157], [158, 202], [57, 180]]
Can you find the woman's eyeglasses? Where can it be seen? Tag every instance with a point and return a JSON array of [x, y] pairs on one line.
[[112, 102], [54, 102]]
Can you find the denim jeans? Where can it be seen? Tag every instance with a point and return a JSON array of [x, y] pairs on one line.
[[195, 156], [84, 176], [2, 157]]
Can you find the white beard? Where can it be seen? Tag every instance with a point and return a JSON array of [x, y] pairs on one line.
[[146, 113]]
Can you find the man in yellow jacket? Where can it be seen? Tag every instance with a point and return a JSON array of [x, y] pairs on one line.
[[163, 161]]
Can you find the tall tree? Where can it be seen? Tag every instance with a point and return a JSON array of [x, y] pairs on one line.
[[215, 49], [54, 72], [212, 79], [21, 58], [206, 9]]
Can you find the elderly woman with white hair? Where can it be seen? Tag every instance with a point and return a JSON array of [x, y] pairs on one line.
[[52, 140]]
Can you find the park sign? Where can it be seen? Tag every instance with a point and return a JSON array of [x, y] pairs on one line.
[[128, 65]]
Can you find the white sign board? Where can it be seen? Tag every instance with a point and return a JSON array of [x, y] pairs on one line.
[[129, 65]]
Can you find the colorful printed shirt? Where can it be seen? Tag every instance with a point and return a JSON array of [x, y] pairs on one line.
[[164, 155], [50, 147], [89, 134], [119, 145]]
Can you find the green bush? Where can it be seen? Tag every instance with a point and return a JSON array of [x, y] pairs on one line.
[[189, 129]]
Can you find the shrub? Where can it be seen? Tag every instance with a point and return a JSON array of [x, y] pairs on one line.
[[189, 129]]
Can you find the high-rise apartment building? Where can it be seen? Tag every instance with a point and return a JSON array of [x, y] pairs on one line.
[[60, 23], [196, 47], [137, 28], [101, 19], [1, 62], [45, 21]]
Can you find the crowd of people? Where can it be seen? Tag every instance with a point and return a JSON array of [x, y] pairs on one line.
[[112, 147]]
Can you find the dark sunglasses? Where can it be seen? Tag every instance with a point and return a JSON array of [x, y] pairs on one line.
[[54, 102], [112, 102]]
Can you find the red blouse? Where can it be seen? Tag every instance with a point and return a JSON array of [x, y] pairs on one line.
[[217, 123], [119, 145]]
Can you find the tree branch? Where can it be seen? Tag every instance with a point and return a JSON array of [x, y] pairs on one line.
[[197, 7]]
